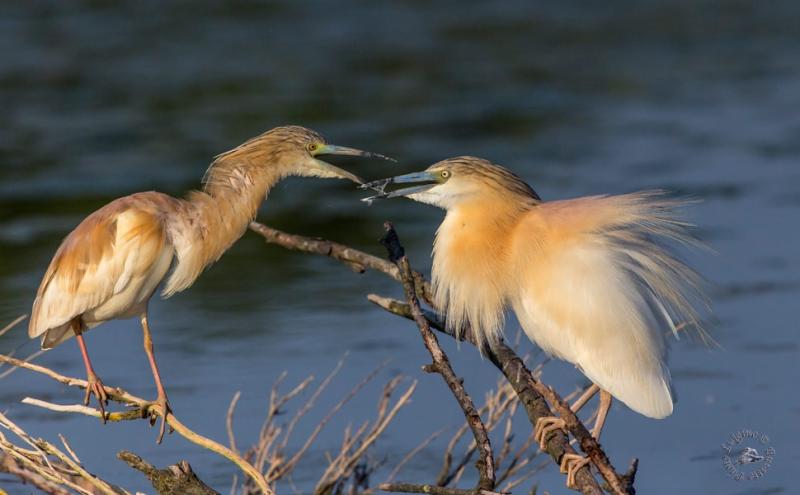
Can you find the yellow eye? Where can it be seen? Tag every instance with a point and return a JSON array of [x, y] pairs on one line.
[[312, 147], [445, 174]]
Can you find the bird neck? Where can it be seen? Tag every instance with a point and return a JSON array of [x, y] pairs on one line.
[[226, 208], [471, 260], [217, 217]]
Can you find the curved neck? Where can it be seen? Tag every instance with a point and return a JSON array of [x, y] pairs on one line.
[[215, 218], [225, 209]]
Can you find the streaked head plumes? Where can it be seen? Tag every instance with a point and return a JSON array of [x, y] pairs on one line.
[[471, 258], [280, 152], [460, 180]]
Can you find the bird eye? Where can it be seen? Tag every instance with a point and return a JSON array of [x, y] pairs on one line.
[[445, 174], [312, 146]]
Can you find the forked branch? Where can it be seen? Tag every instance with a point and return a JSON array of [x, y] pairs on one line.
[[441, 364], [531, 392], [140, 408]]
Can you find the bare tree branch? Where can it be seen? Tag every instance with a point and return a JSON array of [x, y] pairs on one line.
[[46, 467], [342, 467], [13, 467], [431, 489], [416, 450], [140, 409], [531, 392], [64, 474], [357, 260], [441, 364], [178, 479]]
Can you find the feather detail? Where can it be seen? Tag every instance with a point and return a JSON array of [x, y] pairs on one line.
[[103, 267], [471, 256], [603, 287], [595, 281], [209, 223]]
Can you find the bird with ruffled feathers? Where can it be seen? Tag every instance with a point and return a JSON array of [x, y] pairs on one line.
[[594, 281]]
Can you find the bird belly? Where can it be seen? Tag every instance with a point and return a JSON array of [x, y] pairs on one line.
[[132, 299], [590, 313], [542, 330]]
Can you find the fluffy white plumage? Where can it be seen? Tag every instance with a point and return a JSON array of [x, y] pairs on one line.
[[593, 281]]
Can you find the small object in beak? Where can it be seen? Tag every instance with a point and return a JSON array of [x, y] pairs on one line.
[[377, 185]]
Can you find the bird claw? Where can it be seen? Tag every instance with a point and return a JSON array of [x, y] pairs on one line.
[[164, 409], [545, 426], [570, 465], [94, 386]]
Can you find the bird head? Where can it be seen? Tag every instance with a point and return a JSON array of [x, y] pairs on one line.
[[293, 150], [455, 181]]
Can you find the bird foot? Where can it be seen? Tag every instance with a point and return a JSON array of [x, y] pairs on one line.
[[570, 464], [545, 426], [95, 387], [155, 409]]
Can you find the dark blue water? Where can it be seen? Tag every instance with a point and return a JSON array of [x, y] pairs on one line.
[[701, 98]]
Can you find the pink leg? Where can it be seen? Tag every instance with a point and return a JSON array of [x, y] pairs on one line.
[[571, 463], [161, 401], [93, 385], [602, 412]]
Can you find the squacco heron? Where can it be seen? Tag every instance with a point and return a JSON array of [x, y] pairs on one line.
[[110, 265], [591, 280]]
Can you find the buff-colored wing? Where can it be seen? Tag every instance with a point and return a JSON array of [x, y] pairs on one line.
[[98, 260], [603, 290]]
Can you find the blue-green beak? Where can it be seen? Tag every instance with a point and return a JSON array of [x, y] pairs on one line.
[[380, 185], [325, 169], [331, 149]]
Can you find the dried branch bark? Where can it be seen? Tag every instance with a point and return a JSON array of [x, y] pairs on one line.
[[441, 364], [532, 393], [48, 468], [343, 465], [178, 479], [140, 409], [13, 467], [431, 489], [63, 474], [358, 261]]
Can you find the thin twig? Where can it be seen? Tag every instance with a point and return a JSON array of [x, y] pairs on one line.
[[503, 357], [229, 420], [411, 454], [68, 448], [431, 489], [351, 257], [525, 386], [310, 440], [11, 325], [441, 364], [342, 466], [36, 467], [141, 405], [11, 466]]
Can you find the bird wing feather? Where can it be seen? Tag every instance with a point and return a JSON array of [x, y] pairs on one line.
[[600, 288], [112, 246]]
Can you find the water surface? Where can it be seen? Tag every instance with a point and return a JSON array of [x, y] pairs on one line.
[[579, 98]]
